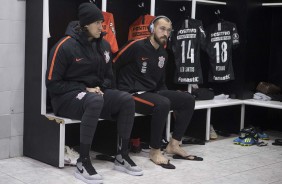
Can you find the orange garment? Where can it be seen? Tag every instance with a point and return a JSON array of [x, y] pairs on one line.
[[109, 28], [139, 28]]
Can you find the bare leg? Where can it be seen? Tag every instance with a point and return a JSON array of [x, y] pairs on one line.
[[157, 157], [174, 148]]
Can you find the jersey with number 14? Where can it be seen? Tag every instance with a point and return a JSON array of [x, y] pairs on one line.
[[221, 38], [186, 41]]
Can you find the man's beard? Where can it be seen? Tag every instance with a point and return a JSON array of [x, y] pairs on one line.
[[159, 41]]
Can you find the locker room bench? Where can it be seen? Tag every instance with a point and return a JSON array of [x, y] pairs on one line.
[[209, 104], [63, 122], [206, 104], [258, 103]]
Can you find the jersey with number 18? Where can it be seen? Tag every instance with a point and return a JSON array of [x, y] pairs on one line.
[[222, 37]]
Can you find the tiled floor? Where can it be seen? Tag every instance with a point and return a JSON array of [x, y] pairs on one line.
[[224, 163]]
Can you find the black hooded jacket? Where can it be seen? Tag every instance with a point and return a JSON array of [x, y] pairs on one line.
[[75, 63]]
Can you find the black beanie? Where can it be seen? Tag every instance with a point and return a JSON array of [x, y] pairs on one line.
[[89, 13]]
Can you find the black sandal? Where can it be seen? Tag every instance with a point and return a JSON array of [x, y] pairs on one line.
[[189, 157], [278, 142], [168, 165]]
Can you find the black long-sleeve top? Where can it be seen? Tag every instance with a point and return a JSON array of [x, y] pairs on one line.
[[141, 67]]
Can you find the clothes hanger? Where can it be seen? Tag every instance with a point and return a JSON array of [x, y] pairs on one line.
[[184, 11], [141, 5], [218, 15]]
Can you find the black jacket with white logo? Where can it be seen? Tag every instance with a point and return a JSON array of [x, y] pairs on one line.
[[141, 67], [75, 63]]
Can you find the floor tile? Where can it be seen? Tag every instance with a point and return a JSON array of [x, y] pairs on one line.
[[6, 179], [223, 162]]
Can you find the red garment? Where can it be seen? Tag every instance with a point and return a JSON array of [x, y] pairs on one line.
[[109, 28], [139, 28]]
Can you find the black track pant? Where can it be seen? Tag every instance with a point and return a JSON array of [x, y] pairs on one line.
[[158, 105], [89, 107]]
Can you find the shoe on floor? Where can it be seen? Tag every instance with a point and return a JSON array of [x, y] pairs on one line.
[[248, 141], [125, 164], [71, 156], [277, 142], [135, 145], [213, 134], [263, 136], [86, 172], [238, 140], [145, 147]]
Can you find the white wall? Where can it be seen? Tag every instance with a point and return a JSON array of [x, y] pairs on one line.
[[12, 58]]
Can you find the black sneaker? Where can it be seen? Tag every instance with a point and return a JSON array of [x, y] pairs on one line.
[[86, 172], [145, 147], [125, 164]]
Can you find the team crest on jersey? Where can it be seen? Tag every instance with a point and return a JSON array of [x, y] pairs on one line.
[[235, 36], [161, 61], [107, 56]]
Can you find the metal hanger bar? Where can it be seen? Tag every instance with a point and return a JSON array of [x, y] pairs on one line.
[[153, 6], [271, 4], [204, 1], [104, 5], [211, 2], [193, 10]]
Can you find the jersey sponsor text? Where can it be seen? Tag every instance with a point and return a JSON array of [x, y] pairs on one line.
[[226, 77], [216, 39], [180, 37], [193, 79]]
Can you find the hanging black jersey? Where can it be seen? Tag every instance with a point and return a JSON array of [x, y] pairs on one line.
[[186, 41], [221, 38]]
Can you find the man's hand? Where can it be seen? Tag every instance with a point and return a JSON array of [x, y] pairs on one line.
[[95, 90]]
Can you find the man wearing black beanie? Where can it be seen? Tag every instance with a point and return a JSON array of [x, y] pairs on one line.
[[79, 78], [89, 13]]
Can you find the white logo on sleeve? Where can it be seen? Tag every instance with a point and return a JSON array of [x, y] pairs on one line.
[[161, 61], [80, 95], [144, 67], [107, 56]]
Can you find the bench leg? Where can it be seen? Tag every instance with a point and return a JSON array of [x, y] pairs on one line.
[[208, 122], [242, 116], [62, 146], [168, 126]]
